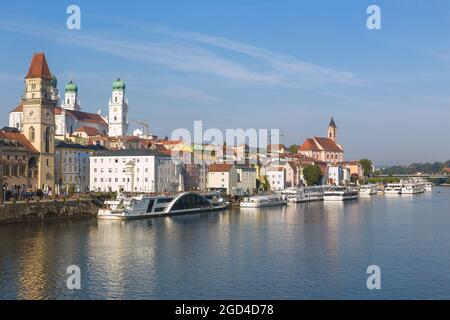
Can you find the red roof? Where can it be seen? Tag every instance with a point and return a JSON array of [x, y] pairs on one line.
[[219, 167], [320, 144], [275, 169], [309, 145], [83, 116], [21, 139], [328, 144], [88, 130], [19, 108], [39, 67]]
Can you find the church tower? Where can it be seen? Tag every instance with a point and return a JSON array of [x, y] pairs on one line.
[[118, 110], [39, 119], [71, 101], [332, 130]]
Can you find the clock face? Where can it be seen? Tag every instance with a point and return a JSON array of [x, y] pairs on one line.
[[32, 115]]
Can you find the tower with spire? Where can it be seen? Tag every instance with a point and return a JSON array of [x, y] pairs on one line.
[[39, 102], [118, 110], [332, 130]]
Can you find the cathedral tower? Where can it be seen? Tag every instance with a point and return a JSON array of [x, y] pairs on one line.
[[38, 117], [71, 101], [118, 110], [332, 130]]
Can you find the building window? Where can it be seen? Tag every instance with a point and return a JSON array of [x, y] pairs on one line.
[[32, 134], [48, 139]]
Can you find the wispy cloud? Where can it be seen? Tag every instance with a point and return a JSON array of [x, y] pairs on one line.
[[287, 68], [197, 53], [185, 93]]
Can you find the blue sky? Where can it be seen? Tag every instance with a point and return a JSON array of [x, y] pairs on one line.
[[252, 64]]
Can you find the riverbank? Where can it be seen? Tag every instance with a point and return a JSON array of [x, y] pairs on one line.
[[45, 210]]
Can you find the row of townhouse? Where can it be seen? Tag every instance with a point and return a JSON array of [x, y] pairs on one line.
[[232, 178], [284, 174]]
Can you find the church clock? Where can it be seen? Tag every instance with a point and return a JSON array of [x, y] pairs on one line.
[[32, 116]]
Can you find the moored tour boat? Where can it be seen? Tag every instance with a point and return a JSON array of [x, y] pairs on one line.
[[393, 188], [413, 187], [304, 194], [368, 190], [340, 194], [145, 206], [269, 200]]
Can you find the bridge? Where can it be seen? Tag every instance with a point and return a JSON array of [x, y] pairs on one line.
[[437, 178]]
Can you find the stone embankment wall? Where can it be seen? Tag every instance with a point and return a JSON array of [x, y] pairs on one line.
[[36, 211]]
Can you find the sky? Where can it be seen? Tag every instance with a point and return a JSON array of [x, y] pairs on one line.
[[288, 65]]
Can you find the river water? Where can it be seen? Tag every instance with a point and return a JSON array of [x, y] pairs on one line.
[[305, 251]]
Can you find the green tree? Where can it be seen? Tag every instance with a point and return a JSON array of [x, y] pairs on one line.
[[367, 166], [312, 174], [293, 148]]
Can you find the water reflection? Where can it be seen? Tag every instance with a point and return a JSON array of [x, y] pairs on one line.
[[306, 250], [113, 247]]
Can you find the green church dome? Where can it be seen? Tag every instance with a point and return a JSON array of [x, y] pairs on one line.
[[71, 87], [54, 81], [118, 85]]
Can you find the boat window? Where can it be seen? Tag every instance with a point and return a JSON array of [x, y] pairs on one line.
[[150, 205], [191, 201], [164, 200]]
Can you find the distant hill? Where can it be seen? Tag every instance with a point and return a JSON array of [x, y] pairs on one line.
[[428, 168]]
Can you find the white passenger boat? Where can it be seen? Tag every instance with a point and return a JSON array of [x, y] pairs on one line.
[[144, 206], [393, 188], [368, 190], [304, 194], [340, 194], [428, 186], [413, 187], [269, 200]]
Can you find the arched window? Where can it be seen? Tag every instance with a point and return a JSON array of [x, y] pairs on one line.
[[48, 139], [32, 134], [115, 99]]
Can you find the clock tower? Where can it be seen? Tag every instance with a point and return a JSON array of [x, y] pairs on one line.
[[38, 118]]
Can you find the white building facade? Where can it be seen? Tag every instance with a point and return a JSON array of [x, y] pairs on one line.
[[338, 175], [133, 170], [222, 176], [276, 178]]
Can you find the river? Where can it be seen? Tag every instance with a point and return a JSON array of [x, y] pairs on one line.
[[317, 250]]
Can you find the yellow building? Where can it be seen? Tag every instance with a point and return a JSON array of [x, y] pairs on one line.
[[39, 119]]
